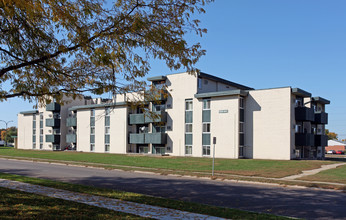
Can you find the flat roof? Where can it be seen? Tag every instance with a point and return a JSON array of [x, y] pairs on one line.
[[321, 100], [74, 108], [29, 112], [300, 92], [157, 78], [222, 93], [218, 79]]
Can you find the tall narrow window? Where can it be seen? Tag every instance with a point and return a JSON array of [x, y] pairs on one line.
[[188, 126], [206, 119], [107, 129], [34, 131], [241, 126], [41, 130], [92, 130]]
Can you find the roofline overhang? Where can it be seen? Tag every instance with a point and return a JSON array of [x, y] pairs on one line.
[[300, 92], [236, 92], [320, 100]]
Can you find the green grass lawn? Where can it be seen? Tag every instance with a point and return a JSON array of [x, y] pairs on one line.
[[127, 196], [246, 167], [337, 175], [21, 205]]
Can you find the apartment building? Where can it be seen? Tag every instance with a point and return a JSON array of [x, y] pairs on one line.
[[278, 123]]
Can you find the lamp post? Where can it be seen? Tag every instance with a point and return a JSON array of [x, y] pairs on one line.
[[6, 122]]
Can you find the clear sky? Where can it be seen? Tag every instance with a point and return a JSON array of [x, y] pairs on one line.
[[266, 44]]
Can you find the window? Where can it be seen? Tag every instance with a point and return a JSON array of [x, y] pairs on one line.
[[92, 112], [241, 127], [107, 146], [41, 146], [299, 102], [34, 146], [206, 150], [92, 130], [206, 104], [241, 151], [206, 127], [241, 102], [199, 82], [92, 147], [188, 128], [107, 130], [299, 128], [107, 111], [188, 150], [188, 105], [143, 149]]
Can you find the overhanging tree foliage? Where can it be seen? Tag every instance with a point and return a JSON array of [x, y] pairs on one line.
[[67, 47]]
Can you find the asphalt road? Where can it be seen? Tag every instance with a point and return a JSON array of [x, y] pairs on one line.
[[287, 201]]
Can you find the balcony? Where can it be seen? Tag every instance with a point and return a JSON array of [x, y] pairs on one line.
[[53, 107], [71, 138], [160, 116], [137, 139], [156, 138], [321, 140], [148, 138], [321, 118], [53, 138], [304, 114], [52, 122], [136, 119], [71, 122], [305, 139]]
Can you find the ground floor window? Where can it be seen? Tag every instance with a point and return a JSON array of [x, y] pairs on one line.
[[159, 150], [41, 146], [241, 151], [143, 149], [188, 150], [92, 147], [34, 146], [56, 147], [206, 150], [107, 147]]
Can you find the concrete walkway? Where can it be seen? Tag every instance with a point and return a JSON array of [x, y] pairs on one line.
[[313, 172], [104, 202]]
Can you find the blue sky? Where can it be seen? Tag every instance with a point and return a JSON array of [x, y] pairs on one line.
[[266, 44]]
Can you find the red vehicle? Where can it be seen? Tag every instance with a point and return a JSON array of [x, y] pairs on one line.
[[339, 152]]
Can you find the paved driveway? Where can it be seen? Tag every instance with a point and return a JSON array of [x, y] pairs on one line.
[[295, 202]]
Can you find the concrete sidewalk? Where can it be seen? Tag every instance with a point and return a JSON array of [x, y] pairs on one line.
[[104, 202]]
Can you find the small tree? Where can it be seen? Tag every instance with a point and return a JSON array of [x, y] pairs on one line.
[[331, 135]]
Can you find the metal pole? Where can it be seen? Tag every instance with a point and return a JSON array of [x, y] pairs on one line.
[[6, 128]]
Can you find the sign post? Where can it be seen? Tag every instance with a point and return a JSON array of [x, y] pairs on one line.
[[214, 142]]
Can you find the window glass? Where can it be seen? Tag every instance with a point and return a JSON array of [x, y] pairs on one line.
[[206, 127], [188, 105], [206, 150], [92, 112], [206, 104], [188, 149], [188, 128]]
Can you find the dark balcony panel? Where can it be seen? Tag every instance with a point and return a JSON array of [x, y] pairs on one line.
[[137, 139], [156, 138], [52, 138], [53, 122], [71, 138], [71, 122], [304, 114], [305, 139], [136, 119], [321, 118], [160, 116], [321, 140], [53, 107]]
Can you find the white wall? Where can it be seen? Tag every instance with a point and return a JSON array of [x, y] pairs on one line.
[[25, 127], [268, 124]]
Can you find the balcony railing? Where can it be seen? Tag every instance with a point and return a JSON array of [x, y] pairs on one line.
[[53, 138], [148, 138], [304, 139], [321, 140], [160, 116], [304, 114], [54, 107], [71, 138], [71, 122], [321, 118], [52, 122]]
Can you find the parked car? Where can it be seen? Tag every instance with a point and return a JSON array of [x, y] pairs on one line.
[[339, 152], [331, 152]]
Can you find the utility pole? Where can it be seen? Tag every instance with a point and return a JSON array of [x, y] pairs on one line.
[[6, 122]]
